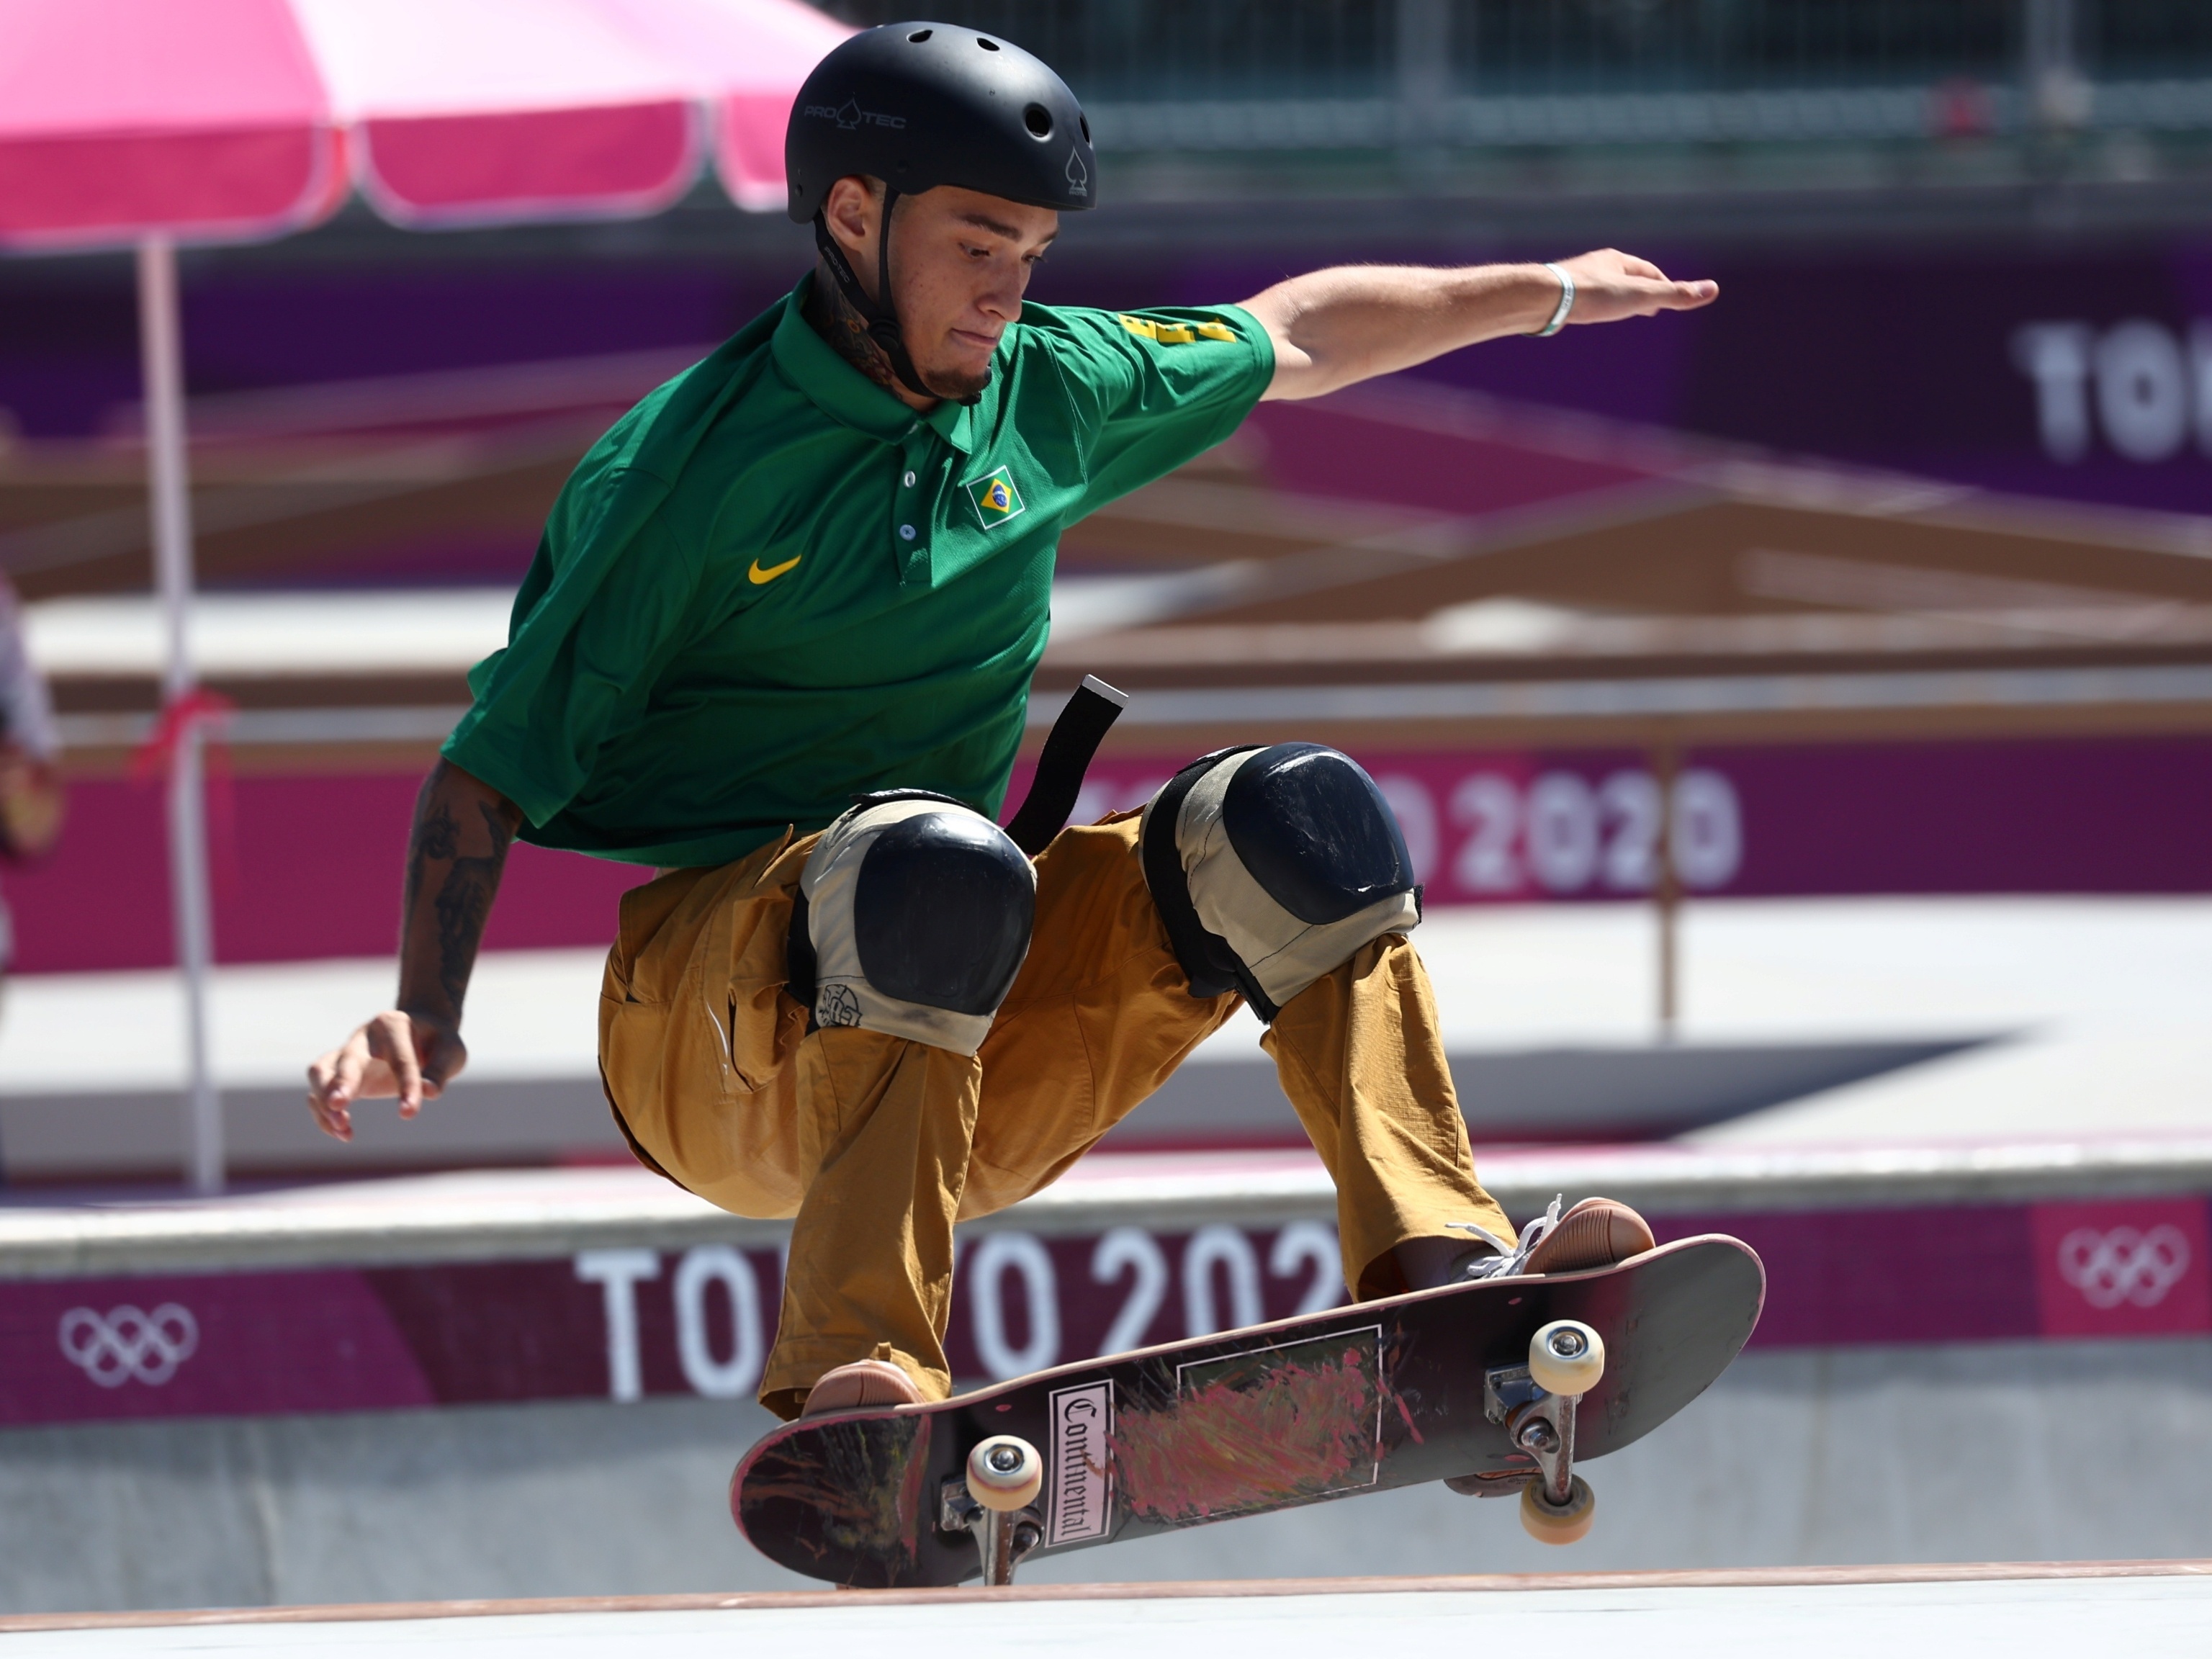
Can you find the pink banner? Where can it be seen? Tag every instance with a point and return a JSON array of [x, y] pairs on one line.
[[626, 1322], [304, 866], [309, 865], [2103, 816]]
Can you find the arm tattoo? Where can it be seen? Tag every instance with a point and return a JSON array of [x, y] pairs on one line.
[[463, 903], [436, 836], [832, 318]]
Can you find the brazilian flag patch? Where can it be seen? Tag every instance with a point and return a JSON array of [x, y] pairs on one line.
[[996, 499], [1174, 333]]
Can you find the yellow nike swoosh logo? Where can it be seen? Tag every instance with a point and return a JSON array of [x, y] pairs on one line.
[[758, 575]]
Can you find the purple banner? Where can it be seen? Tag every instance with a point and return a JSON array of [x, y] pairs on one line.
[[2069, 370], [2076, 371], [2080, 372], [309, 865], [623, 1323], [2107, 815], [304, 865]]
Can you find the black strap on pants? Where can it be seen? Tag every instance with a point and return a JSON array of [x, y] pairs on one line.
[[1074, 738]]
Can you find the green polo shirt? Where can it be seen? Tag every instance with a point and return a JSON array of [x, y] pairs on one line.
[[772, 585]]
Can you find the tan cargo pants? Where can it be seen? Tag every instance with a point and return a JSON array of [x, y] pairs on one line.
[[878, 1145]]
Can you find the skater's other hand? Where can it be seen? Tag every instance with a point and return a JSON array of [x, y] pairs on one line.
[[1610, 286], [411, 1056]]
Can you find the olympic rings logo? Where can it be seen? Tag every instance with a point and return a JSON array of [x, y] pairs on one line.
[[2124, 1265], [127, 1343]]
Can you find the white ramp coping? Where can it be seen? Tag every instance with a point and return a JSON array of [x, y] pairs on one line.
[[1508, 977], [2018, 1610], [394, 631], [545, 1213], [2087, 1015]]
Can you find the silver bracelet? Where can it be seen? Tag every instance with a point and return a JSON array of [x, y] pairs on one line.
[[1566, 303]]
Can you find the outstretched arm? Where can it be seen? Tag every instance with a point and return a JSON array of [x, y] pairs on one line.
[[463, 828], [1336, 327]]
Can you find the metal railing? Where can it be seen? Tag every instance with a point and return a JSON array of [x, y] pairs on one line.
[[1231, 75]]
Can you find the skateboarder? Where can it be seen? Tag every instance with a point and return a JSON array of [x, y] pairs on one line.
[[778, 641]]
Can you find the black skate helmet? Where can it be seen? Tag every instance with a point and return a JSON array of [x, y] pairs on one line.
[[920, 105]]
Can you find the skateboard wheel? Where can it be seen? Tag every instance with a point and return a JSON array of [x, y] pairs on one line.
[[1566, 1356], [1005, 1473], [1568, 1524]]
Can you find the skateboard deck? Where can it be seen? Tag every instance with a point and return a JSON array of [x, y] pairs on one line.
[[1363, 1398]]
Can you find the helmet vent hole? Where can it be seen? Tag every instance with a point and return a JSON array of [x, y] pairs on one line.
[[1038, 119], [988, 46], [919, 36], [1083, 121]]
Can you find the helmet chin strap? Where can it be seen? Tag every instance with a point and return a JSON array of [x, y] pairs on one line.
[[881, 317]]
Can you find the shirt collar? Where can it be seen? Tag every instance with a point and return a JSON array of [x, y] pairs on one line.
[[843, 393], [955, 423]]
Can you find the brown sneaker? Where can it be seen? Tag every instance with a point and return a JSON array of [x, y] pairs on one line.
[[864, 1384], [1596, 1233]]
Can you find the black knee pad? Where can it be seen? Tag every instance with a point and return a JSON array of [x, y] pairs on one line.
[[917, 916], [1272, 867]]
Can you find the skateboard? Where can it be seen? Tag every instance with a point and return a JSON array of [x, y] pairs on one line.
[[1501, 1387]]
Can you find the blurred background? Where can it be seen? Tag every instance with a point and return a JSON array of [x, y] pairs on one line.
[[1800, 710]]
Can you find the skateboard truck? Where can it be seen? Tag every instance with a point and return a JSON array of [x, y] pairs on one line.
[[1535, 1404], [1005, 1475]]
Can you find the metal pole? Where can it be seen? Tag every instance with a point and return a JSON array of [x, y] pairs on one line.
[[2058, 97], [161, 366], [1424, 76], [1667, 890]]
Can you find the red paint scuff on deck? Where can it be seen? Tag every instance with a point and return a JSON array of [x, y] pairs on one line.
[[1295, 1430]]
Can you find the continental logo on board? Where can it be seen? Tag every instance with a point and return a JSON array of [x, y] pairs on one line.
[[1169, 333], [996, 499], [1080, 1500]]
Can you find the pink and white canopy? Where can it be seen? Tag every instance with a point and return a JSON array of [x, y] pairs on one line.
[[218, 120]]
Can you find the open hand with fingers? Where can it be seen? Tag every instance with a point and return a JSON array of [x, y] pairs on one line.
[[1610, 286], [1334, 328], [463, 828], [395, 1053]]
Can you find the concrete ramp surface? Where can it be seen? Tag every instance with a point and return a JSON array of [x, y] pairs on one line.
[[2016, 1611]]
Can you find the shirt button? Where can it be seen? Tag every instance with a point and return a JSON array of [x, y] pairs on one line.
[[906, 532], [909, 481]]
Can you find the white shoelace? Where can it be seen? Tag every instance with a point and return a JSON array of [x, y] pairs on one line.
[[1507, 1261]]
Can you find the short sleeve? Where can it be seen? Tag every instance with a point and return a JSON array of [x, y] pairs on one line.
[[1151, 389], [603, 607]]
